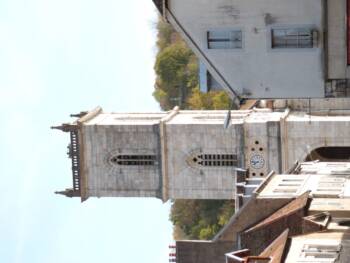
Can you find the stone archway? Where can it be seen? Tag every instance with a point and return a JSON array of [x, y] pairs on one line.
[[329, 154]]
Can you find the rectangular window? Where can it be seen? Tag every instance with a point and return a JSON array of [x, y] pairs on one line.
[[292, 180], [332, 180], [224, 39], [288, 184], [292, 38], [285, 190], [319, 253]]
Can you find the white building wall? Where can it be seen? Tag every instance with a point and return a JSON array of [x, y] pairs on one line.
[[257, 70], [305, 133]]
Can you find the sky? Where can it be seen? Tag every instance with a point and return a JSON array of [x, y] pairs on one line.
[[58, 58]]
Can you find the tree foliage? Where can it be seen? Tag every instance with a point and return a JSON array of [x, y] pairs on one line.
[[208, 101], [176, 68], [201, 219]]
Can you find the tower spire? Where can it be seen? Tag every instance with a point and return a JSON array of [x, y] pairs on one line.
[[65, 127], [80, 114], [68, 192]]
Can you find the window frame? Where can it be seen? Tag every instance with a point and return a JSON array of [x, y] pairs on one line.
[[134, 159], [313, 34], [229, 40], [215, 160], [311, 252]]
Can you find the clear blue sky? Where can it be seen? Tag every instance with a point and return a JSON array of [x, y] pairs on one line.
[[57, 58]]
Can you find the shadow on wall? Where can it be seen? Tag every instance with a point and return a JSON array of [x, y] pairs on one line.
[[329, 154]]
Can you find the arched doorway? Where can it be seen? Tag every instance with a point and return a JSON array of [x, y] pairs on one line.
[[330, 154]]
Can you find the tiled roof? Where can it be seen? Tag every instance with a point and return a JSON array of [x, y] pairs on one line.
[[272, 254], [285, 211], [276, 248]]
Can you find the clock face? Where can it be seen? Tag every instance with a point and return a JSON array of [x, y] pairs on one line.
[[257, 161]]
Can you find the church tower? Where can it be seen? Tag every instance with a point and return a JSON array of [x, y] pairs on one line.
[[168, 155]]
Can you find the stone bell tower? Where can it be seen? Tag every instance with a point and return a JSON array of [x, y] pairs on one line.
[[168, 155], [190, 155]]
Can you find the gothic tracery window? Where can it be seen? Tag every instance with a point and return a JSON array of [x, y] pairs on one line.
[[215, 159], [134, 160]]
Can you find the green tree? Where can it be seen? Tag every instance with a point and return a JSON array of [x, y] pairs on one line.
[[199, 101], [208, 101], [165, 34], [171, 63], [200, 219], [220, 100]]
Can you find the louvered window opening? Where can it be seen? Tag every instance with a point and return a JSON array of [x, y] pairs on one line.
[[216, 160], [134, 159], [292, 38]]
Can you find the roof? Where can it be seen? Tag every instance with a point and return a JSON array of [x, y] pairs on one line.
[[272, 254], [276, 248], [159, 5], [293, 207], [75, 152]]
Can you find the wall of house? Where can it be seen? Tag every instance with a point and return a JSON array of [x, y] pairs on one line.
[[202, 251], [257, 70], [257, 240], [331, 238], [255, 210]]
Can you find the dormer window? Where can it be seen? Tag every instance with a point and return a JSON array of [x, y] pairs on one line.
[[134, 160]]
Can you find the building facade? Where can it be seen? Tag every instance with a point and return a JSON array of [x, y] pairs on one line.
[[168, 155], [299, 217], [270, 48], [190, 154], [207, 82]]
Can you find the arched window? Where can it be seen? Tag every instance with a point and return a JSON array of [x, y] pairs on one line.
[[215, 159], [133, 159]]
